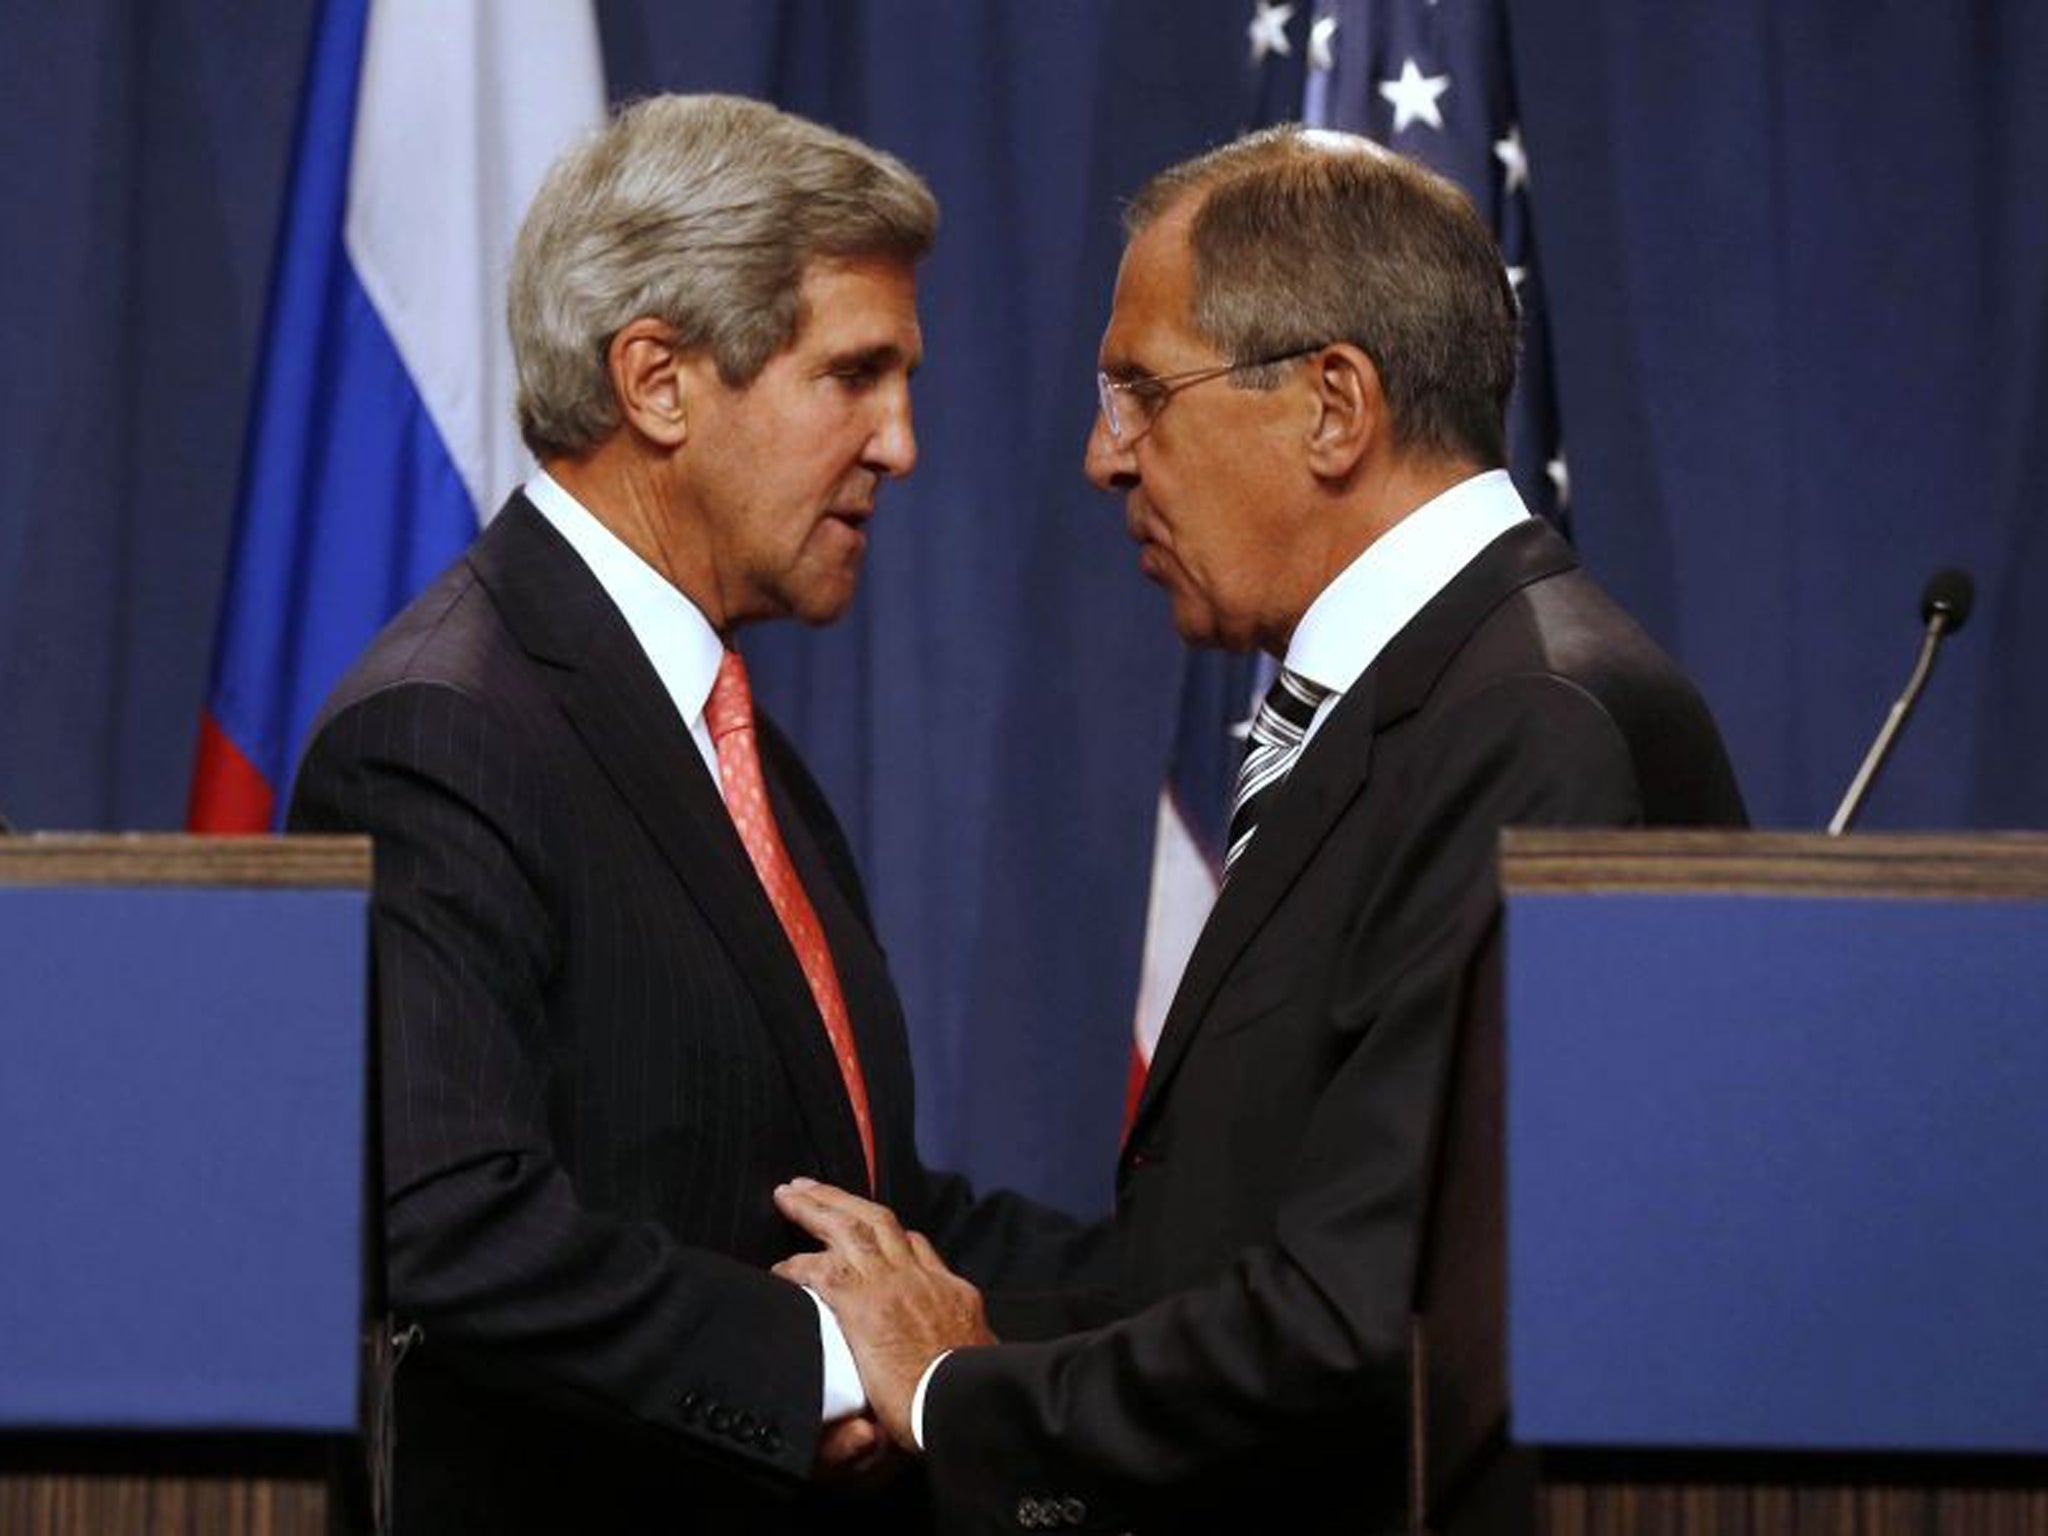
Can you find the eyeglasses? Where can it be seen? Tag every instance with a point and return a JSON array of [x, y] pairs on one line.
[[1131, 406]]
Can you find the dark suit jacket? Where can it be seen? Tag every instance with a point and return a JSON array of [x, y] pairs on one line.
[[598, 1056], [1273, 1185]]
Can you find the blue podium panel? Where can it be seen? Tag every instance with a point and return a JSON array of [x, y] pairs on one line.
[[181, 1157], [1778, 1173]]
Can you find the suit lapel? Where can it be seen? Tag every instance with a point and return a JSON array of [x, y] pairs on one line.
[[615, 702], [1333, 771]]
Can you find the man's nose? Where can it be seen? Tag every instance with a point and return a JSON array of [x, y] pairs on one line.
[[1108, 465], [893, 448]]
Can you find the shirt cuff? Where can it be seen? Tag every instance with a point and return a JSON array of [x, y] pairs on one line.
[[843, 1391], [917, 1398]]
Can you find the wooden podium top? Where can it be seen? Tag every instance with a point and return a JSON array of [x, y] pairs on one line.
[[2001, 866], [177, 858]]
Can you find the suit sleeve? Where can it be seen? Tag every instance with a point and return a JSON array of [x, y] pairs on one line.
[[1300, 1343], [488, 1248], [1044, 1272]]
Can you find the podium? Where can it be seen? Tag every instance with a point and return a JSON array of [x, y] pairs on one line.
[[183, 1113], [1741, 1224]]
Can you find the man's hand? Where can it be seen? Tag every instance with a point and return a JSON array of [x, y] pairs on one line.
[[900, 1306], [854, 1455]]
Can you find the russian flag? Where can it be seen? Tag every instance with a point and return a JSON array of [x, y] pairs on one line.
[[382, 433]]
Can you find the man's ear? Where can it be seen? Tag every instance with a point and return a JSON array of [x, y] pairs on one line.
[[650, 380], [1351, 412]]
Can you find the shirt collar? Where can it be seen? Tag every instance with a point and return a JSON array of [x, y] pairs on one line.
[[1394, 577], [680, 642]]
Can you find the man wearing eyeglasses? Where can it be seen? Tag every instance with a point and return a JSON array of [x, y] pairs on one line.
[[1302, 390]]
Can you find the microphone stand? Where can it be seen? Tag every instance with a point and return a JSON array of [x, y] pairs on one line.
[[1880, 749]]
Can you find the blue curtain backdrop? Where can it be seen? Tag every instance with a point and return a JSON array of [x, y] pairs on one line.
[[1798, 269]]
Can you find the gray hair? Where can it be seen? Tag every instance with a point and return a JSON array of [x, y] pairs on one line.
[[1305, 237], [701, 212]]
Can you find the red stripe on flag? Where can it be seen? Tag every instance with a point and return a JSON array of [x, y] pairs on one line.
[[228, 794]]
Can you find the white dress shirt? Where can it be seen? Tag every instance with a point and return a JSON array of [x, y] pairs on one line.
[[685, 652], [1393, 579]]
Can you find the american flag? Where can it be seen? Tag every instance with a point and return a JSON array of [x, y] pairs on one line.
[[1431, 79]]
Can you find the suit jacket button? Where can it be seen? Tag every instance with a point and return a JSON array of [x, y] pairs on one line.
[[1073, 1511]]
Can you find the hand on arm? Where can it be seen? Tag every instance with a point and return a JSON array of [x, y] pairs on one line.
[[898, 1303]]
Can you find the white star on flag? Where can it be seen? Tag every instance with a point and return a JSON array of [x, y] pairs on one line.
[[1561, 478], [1414, 96], [1268, 31], [1509, 152], [1320, 36]]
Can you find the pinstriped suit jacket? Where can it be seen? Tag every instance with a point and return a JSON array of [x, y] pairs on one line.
[[598, 1056]]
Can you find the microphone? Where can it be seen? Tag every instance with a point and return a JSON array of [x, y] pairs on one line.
[[1944, 609]]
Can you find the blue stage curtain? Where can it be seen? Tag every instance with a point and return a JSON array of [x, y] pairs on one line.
[[1799, 267]]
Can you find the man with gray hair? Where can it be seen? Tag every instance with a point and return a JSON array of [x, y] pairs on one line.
[[625, 975], [1301, 397]]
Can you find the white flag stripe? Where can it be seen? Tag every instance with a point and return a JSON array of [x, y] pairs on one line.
[[463, 105], [1183, 890]]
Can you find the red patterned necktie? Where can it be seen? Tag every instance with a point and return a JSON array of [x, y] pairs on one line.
[[729, 713]]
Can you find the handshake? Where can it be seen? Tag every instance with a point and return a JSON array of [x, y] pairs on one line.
[[899, 1306]]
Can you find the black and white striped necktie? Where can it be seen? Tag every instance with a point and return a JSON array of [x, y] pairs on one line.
[[1275, 742]]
